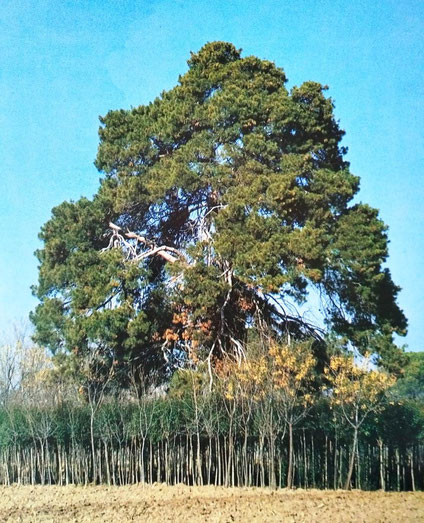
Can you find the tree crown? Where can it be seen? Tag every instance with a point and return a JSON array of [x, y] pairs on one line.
[[229, 198]]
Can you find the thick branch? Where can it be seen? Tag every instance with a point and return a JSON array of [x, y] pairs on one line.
[[117, 240]]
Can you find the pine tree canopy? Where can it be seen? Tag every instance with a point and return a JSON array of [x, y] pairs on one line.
[[223, 202]]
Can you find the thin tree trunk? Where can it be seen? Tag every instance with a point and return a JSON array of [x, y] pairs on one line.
[[382, 481], [290, 467], [93, 449], [397, 469], [411, 465], [352, 459], [305, 461], [107, 462]]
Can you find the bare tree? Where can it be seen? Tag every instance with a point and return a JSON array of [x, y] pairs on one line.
[[96, 374]]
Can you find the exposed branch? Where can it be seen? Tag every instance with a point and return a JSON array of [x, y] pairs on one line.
[[117, 240]]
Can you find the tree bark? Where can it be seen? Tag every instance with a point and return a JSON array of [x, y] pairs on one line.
[[290, 467], [352, 459], [382, 481]]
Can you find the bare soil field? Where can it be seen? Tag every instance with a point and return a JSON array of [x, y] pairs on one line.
[[209, 504]]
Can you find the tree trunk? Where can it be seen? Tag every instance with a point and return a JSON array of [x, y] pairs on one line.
[[382, 481], [352, 459], [93, 450], [290, 467], [397, 470], [411, 465]]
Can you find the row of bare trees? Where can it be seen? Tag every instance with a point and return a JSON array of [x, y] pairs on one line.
[[160, 440], [269, 420]]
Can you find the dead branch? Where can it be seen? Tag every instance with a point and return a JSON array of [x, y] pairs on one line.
[[118, 241]]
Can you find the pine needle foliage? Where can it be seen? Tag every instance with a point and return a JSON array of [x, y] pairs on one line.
[[235, 200]]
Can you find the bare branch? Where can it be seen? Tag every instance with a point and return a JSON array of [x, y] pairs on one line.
[[118, 241]]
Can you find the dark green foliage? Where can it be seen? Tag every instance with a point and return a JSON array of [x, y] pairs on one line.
[[247, 180], [411, 385], [91, 297]]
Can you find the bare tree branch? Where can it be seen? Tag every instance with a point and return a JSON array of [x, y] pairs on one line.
[[118, 241]]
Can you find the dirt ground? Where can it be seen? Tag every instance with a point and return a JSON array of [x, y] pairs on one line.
[[209, 504]]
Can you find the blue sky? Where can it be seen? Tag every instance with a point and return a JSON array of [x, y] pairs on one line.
[[65, 62]]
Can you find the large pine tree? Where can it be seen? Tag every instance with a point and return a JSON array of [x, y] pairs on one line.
[[223, 202]]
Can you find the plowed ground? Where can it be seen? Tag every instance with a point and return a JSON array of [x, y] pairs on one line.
[[159, 503]]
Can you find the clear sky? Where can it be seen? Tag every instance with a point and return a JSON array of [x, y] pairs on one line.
[[65, 62]]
